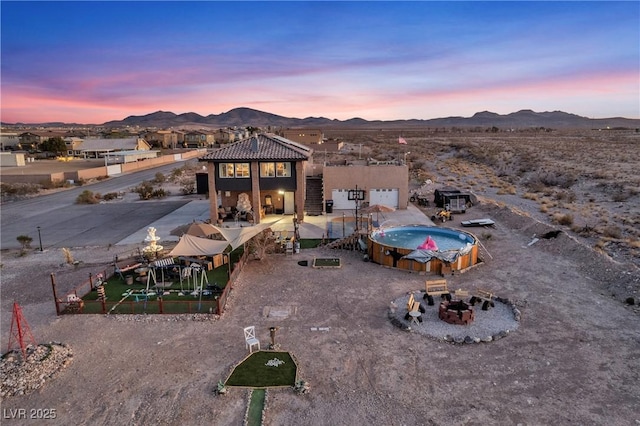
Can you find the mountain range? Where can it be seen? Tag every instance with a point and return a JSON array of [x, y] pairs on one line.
[[242, 117]]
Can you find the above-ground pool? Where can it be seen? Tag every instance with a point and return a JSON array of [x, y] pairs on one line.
[[443, 249]]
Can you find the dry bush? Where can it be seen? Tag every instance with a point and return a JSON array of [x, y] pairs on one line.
[[563, 219], [530, 196], [612, 231]]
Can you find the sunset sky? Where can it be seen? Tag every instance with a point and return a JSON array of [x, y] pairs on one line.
[[91, 62]]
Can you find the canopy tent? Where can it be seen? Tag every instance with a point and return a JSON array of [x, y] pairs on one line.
[[238, 236], [196, 229], [196, 246]]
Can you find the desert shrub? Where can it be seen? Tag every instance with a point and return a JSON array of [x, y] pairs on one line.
[[612, 231], [81, 182], [101, 178], [110, 196], [159, 193], [542, 179], [144, 190], [563, 219], [159, 178], [87, 197], [49, 184], [530, 196], [187, 186], [7, 189], [25, 241]]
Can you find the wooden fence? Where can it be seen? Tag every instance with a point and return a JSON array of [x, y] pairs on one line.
[[72, 303]]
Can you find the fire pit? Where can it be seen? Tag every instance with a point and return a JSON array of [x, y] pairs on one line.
[[456, 312]]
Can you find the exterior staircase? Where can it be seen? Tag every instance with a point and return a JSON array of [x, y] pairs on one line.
[[314, 203]]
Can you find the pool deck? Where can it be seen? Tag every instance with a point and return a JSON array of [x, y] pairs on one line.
[[313, 227]]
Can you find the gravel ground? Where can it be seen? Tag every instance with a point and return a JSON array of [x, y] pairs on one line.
[[489, 325]]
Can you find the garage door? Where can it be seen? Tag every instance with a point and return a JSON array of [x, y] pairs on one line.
[[387, 197], [341, 200]]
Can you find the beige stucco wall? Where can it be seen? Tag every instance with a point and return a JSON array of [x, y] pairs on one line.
[[368, 177]]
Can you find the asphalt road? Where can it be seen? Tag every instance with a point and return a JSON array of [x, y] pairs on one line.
[[66, 224]]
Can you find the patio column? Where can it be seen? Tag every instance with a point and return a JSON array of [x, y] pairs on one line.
[[256, 205], [213, 193], [301, 185]]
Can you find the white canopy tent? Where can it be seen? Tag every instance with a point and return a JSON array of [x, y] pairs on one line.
[[196, 246], [238, 236]]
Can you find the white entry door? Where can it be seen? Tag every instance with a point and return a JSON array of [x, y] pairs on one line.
[[289, 202], [385, 196]]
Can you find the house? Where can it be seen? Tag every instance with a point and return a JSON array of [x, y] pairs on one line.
[[199, 139], [31, 139], [266, 172], [162, 138], [9, 141], [309, 137], [223, 136], [73, 146]]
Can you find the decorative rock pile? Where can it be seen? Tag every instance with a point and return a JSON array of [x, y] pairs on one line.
[[42, 363]]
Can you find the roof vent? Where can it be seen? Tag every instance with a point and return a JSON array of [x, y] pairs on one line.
[[254, 144]]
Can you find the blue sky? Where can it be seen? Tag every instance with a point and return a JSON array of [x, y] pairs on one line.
[[91, 62]]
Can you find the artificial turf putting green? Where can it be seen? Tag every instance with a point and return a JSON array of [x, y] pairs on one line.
[[253, 371]]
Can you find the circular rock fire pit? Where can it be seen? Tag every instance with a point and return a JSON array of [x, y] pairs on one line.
[[456, 312]]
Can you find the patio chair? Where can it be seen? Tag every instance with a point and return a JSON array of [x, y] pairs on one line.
[[250, 338]]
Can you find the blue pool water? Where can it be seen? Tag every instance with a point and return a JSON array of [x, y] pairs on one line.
[[410, 237]]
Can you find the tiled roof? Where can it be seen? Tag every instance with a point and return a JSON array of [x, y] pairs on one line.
[[261, 147]]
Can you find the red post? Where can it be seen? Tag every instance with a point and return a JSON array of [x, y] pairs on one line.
[[103, 303], [160, 304]]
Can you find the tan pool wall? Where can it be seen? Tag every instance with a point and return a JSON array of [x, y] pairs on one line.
[[377, 254]]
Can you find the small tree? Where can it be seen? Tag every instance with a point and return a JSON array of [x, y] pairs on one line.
[[55, 145], [25, 240]]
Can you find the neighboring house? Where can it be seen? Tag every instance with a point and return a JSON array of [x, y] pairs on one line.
[[73, 146], [162, 138], [223, 136], [9, 141], [267, 168], [96, 148], [31, 139], [199, 139], [309, 137]]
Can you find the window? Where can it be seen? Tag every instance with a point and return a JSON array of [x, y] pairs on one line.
[[275, 169], [283, 169], [267, 169], [226, 170], [234, 170], [242, 170]]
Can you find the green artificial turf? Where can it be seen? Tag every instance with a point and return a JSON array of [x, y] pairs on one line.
[[256, 406], [253, 371], [327, 262]]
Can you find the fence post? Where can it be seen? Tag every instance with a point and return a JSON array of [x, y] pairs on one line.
[[55, 296], [91, 280], [103, 302], [218, 306], [160, 304]]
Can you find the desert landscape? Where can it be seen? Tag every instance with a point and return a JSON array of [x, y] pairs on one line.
[[573, 359]]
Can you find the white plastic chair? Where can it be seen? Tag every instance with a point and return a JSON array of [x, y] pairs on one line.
[[250, 338]]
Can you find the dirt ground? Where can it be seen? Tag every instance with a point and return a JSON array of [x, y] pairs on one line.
[[575, 359]]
